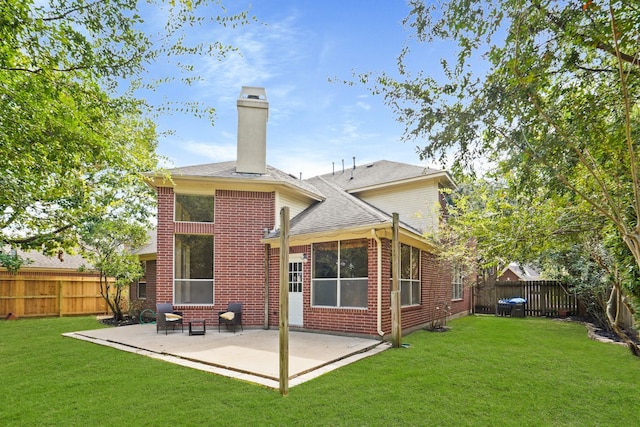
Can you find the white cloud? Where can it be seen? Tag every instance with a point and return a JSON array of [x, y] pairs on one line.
[[212, 152], [265, 52]]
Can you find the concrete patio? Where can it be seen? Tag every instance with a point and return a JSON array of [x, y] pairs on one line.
[[250, 355]]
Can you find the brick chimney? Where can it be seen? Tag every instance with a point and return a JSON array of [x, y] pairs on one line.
[[253, 112]]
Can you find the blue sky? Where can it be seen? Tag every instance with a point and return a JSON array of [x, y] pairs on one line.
[[313, 122]]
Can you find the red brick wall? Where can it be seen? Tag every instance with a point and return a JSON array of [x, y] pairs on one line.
[[164, 271], [344, 320], [435, 293], [241, 217], [150, 277]]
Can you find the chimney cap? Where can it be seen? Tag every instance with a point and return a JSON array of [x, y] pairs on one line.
[[253, 93]]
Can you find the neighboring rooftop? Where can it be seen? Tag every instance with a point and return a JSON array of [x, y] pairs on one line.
[[524, 272], [151, 247], [63, 261]]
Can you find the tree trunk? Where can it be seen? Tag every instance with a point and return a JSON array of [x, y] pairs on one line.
[[632, 240], [613, 313], [117, 310], [104, 291]]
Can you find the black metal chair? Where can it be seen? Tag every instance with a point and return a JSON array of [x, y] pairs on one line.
[[231, 317], [165, 316]]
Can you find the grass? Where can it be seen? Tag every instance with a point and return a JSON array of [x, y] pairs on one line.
[[485, 371]]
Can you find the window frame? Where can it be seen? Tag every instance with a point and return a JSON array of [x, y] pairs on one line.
[[175, 207], [341, 281], [141, 282], [457, 282], [180, 259], [411, 283]]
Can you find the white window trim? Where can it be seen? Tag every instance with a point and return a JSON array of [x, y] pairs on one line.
[[457, 283], [173, 275], [175, 195], [338, 280]]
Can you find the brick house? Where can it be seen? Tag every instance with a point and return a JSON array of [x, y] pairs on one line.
[[218, 240]]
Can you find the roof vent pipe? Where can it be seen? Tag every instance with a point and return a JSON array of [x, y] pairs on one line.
[[354, 162], [333, 168]]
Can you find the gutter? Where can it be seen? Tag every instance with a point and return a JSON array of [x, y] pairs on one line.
[[379, 280]]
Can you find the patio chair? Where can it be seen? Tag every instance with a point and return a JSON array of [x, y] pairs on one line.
[[165, 316], [231, 317]]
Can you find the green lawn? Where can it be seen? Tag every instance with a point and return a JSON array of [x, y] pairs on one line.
[[486, 371]]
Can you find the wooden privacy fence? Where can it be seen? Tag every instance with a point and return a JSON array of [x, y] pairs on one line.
[[56, 295], [544, 297]]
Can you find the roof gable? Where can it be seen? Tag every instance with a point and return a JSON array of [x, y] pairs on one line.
[[339, 211], [524, 272]]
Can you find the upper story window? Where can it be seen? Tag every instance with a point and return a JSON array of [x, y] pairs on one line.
[[194, 208]]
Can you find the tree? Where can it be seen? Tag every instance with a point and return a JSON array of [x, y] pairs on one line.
[[567, 239], [75, 140], [557, 108], [108, 245]]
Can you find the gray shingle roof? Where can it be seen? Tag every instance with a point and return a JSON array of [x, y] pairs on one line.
[[335, 208], [64, 262], [151, 247], [523, 271], [382, 172], [227, 170], [339, 211]]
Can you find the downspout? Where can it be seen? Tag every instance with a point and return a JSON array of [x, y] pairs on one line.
[[379, 279], [267, 248]]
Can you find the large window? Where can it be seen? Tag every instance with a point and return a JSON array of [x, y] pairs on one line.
[[341, 273], [409, 275], [193, 280], [457, 282], [194, 208]]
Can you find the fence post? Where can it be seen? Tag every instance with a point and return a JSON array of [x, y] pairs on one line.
[[59, 298]]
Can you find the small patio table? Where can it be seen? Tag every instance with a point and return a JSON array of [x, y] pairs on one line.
[[197, 331]]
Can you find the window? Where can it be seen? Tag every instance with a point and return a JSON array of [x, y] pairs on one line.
[[193, 278], [409, 275], [141, 289], [295, 276], [194, 208], [457, 281], [341, 273]]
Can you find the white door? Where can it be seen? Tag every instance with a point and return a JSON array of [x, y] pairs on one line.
[[295, 290]]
